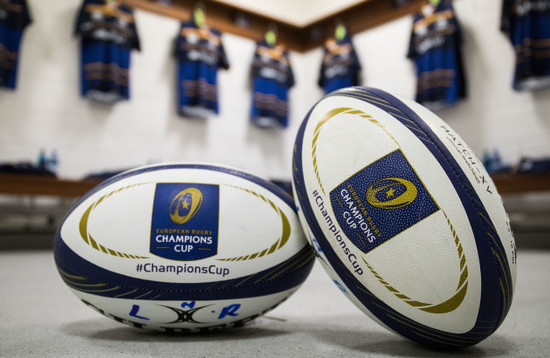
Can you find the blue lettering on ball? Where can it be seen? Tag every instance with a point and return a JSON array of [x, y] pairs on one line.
[[230, 311], [134, 311]]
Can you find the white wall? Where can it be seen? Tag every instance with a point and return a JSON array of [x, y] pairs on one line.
[[47, 112]]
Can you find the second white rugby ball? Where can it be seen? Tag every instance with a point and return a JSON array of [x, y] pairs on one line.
[[404, 217]]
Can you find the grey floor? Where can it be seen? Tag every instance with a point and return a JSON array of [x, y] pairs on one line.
[[40, 317]]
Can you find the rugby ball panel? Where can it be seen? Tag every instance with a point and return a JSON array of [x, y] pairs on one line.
[[350, 137], [184, 235]]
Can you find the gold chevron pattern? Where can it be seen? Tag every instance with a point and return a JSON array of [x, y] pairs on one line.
[[446, 306], [87, 237], [279, 243]]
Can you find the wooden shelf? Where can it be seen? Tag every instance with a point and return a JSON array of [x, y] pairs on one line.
[[521, 183], [24, 184], [248, 24]]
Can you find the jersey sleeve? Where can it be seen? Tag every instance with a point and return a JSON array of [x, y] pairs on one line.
[[321, 78], [505, 18], [17, 15], [23, 17], [411, 53], [290, 81], [135, 42], [82, 17], [356, 66], [223, 62]]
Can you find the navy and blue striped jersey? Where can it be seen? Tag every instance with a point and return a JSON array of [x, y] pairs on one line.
[[199, 52], [272, 76], [340, 67], [108, 34], [527, 24], [435, 48], [14, 18]]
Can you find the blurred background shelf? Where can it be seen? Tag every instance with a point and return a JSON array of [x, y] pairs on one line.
[[23, 184], [521, 183]]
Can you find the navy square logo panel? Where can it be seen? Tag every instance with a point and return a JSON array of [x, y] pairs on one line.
[[185, 221], [380, 201]]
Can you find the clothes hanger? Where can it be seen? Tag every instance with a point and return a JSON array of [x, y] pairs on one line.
[[340, 30], [271, 34], [199, 14]]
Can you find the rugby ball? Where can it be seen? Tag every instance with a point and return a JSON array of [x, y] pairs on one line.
[[183, 247], [404, 217]]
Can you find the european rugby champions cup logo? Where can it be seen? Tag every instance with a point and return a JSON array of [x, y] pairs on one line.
[[185, 221], [380, 201]]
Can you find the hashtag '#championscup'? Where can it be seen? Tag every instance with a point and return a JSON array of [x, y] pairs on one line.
[[180, 269]]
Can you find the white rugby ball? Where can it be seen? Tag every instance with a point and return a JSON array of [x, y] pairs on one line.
[[404, 217], [181, 247]]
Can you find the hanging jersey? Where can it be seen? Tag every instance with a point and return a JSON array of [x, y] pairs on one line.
[[108, 34], [435, 49], [527, 24], [14, 18], [271, 78], [340, 67], [199, 52]]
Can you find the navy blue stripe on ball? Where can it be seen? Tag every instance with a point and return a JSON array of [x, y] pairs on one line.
[[82, 275], [487, 321]]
